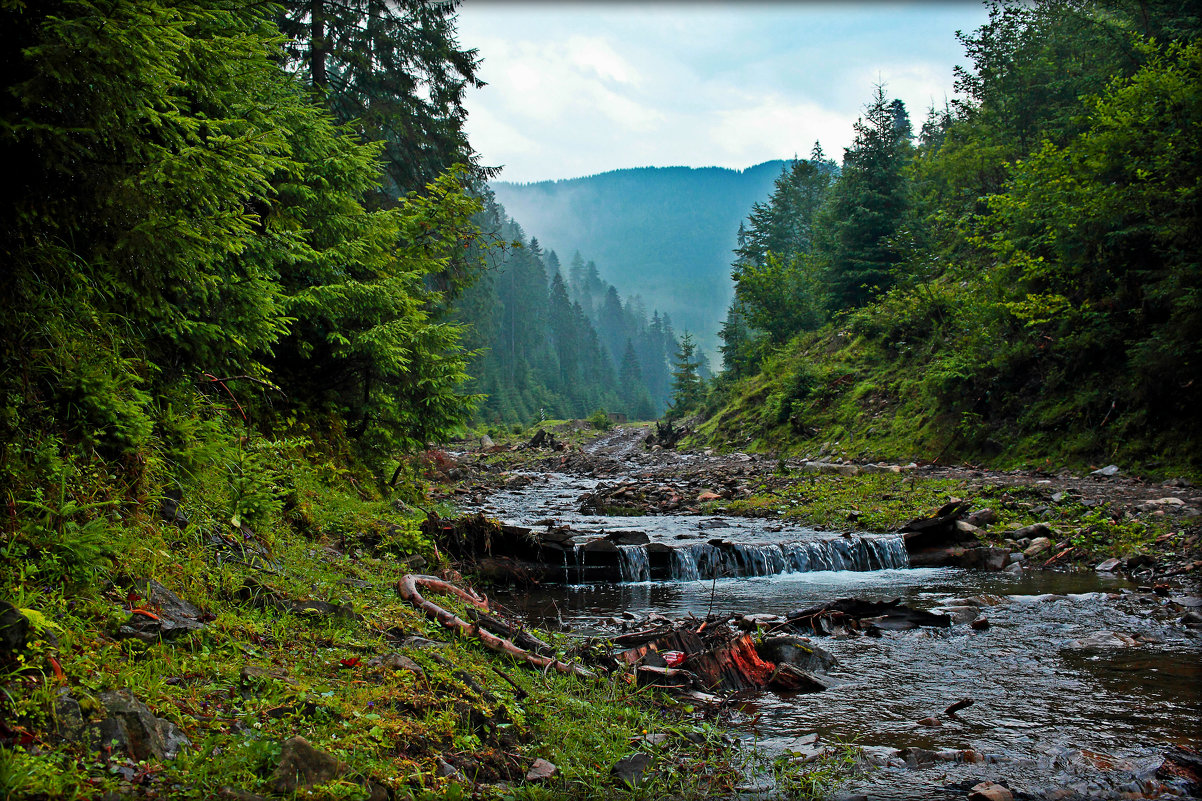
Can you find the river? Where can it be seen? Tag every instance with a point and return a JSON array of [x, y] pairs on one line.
[[1061, 708]]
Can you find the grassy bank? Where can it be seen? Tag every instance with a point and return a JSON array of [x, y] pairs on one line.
[[868, 388], [290, 554]]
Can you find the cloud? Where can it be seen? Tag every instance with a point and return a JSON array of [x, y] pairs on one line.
[[784, 127], [581, 88]]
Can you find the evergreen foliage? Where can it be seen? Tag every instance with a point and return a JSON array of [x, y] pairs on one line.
[[395, 70], [178, 208], [551, 343], [1023, 281]]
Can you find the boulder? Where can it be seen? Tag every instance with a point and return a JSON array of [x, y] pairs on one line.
[[302, 765], [130, 727], [172, 616]]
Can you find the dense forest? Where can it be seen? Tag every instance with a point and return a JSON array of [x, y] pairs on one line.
[[1017, 280], [663, 233], [554, 340]]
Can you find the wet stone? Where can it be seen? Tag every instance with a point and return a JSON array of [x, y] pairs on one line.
[[302, 765], [632, 769], [990, 791]]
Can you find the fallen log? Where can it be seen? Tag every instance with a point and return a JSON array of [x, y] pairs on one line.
[[407, 587]]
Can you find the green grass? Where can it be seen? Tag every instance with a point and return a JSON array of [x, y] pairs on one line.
[[850, 390], [321, 530], [886, 501]]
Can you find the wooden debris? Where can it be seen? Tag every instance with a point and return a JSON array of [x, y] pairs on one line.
[[408, 589]]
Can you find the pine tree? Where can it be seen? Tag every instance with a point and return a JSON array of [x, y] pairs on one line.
[[687, 386], [867, 206], [395, 70]]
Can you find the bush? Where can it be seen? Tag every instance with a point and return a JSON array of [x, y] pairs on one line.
[[600, 420]]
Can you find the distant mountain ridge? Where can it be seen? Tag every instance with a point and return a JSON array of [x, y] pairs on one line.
[[663, 233]]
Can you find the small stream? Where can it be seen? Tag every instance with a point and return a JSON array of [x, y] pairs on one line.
[[1059, 711]]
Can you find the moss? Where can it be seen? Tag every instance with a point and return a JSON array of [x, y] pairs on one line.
[[927, 402], [257, 674]]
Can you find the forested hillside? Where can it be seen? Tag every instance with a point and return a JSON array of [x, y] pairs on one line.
[[1017, 280], [553, 340], [663, 233], [226, 341]]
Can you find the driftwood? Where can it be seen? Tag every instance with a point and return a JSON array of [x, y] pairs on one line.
[[718, 662], [408, 589]]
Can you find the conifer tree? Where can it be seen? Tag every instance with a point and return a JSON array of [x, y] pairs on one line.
[[867, 206]]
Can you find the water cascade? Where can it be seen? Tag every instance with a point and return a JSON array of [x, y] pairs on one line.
[[703, 561]]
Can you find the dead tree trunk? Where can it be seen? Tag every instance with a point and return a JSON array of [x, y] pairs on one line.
[[408, 589]]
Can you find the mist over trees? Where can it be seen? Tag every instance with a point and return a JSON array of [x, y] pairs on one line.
[[558, 342], [662, 233]]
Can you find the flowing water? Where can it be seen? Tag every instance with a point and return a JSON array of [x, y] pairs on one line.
[[1053, 711]]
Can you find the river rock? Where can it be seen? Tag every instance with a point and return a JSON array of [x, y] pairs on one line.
[[1109, 566], [797, 651], [628, 537], [1014, 568], [915, 756], [1107, 471], [302, 765], [958, 614], [131, 727], [486, 442], [758, 621], [990, 791], [1104, 639], [631, 770], [1038, 545]]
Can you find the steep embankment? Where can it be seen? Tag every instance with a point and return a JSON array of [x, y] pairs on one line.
[[872, 388]]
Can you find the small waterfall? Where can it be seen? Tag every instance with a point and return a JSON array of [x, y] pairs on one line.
[[702, 561], [633, 563], [684, 565]]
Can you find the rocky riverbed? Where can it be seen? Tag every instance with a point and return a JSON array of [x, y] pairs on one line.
[[1077, 669]]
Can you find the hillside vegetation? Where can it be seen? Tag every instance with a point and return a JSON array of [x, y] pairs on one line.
[[1018, 284], [662, 233], [225, 343]]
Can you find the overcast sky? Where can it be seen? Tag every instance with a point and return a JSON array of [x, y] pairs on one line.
[[579, 88]]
